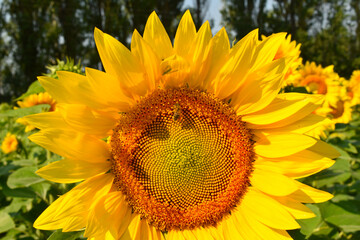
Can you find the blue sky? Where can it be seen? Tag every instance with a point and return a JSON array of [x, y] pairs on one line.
[[214, 11]]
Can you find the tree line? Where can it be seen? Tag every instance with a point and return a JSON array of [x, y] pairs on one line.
[[34, 33]]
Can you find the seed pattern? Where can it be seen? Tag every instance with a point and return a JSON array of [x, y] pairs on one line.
[[182, 157]]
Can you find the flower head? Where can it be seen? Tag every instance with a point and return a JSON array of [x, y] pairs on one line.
[[9, 143], [37, 99], [200, 142], [325, 81], [353, 88]]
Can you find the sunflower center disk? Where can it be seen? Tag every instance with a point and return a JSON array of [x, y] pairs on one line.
[[182, 157]]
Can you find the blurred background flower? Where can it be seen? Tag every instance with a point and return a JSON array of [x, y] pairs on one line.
[[9, 144]]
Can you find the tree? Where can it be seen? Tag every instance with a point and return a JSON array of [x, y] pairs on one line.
[[36, 33], [241, 17]]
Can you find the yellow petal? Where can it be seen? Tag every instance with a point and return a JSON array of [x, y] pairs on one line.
[[46, 120], [259, 88], [243, 226], [107, 236], [200, 53], [74, 203], [185, 33], [295, 208], [74, 223], [109, 90], [282, 144], [272, 183], [72, 144], [216, 232], [71, 88], [101, 217], [220, 53], [309, 194], [122, 64], [188, 234], [302, 126], [175, 71], [70, 171], [86, 120], [155, 35], [230, 231], [266, 50], [284, 110], [267, 210], [325, 149], [231, 75], [147, 58], [155, 234], [138, 229], [202, 233], [264, 232], [298, 165], [175, 235]]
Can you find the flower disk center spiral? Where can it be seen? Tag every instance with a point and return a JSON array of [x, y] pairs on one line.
[[182, 158]]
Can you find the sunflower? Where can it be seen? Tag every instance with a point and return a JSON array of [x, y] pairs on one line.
[[9, 143], [200, 144], [37, 99], [354, 88], [314, 78], [337, 104], [33, 100], [319, 80]]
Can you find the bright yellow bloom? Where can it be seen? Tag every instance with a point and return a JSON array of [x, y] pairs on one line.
[[314, 78], [33, 100], [202, 145], [325, 81], [9, 143], [354, 88], [37, 99], [337, 105]]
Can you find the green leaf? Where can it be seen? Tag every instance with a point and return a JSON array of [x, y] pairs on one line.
[[343, 153], [6, 222], [308, 226], [23, 177], [11, 234], [25, 162], [16, 204], [4, 170], [341, 164], [17, 192], [35, 87], [22, 112], [330, 177], [59, 235], [41, 189], [347, 222], [345, 214]]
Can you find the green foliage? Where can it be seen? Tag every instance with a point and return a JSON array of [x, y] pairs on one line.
[[24, 195], [338, 218], [62, 66]]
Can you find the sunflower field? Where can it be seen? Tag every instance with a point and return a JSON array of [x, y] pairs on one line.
[[198, 138]]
